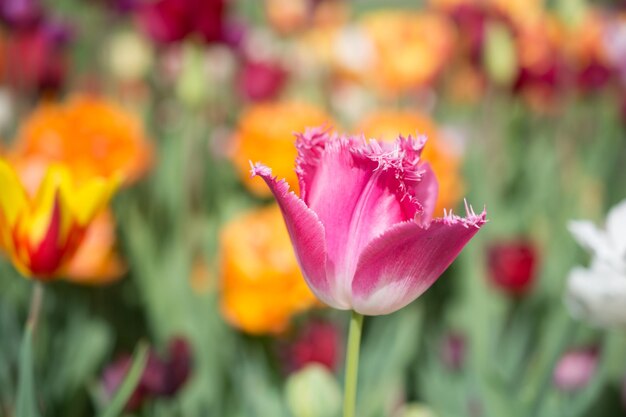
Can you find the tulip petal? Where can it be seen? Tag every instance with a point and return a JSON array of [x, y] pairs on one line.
[[591, 238], [90, 199], [48, 199], [597, 294], [359, 189], [616, 227], [307, 235], [310, 146], [13, 199], [48, 254], [405, 261], [427, 192]]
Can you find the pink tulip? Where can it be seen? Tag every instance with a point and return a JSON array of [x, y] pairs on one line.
[[362, 229]]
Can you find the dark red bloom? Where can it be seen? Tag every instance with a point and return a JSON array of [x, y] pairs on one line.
[[178, 367], [113, 377], [168, 21], [512, 265], [546, 78], [160, 378], [471, 20], [35, 58], [260, 80], [317, 342], [594, 76]]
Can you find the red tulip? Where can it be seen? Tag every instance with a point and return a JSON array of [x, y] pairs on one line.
[[512, 266], [35, 58]]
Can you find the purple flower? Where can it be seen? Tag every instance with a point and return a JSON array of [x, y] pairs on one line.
[[161, 377], [21, 14]]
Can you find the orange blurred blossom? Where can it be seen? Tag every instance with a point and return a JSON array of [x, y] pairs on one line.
[[266, 133], [91, 136], [443, 158], [261, 283], [410, 48]]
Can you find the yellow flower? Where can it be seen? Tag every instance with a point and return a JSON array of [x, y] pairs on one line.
[[266, 133], [261, 283], [443, 158], [41, 233]]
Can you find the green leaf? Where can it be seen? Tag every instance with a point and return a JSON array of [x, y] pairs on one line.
[[26, 400], [127, 388]]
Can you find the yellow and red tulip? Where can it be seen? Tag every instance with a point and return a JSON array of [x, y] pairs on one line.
[[41, 232]]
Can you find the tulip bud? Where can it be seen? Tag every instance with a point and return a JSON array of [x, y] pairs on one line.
[[313, 392], [575, 369], [191, 87], [512, 266], [572, 12], [129, 56], [499, 54]]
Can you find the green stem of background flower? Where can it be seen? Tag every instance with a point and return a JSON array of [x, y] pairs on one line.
[[26, 402], [352, 365]]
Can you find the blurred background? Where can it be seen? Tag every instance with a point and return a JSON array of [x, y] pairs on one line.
[[524, 105]]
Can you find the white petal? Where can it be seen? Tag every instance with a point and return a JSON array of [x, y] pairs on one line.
[[591, 238], [616, 228], [597, 295]]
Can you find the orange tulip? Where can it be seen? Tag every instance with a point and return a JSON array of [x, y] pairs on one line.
[[266, 133], [410, 48], [87, 134], [261, 283], [443, 158]]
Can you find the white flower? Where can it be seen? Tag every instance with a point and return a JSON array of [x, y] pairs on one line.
[[598, 293]]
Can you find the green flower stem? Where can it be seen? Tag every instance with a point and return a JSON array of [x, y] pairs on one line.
[[26, 404], [352, 365], [35, 306]]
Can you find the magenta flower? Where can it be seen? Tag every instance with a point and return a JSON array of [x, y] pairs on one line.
[[362, 229], [170, 21]]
